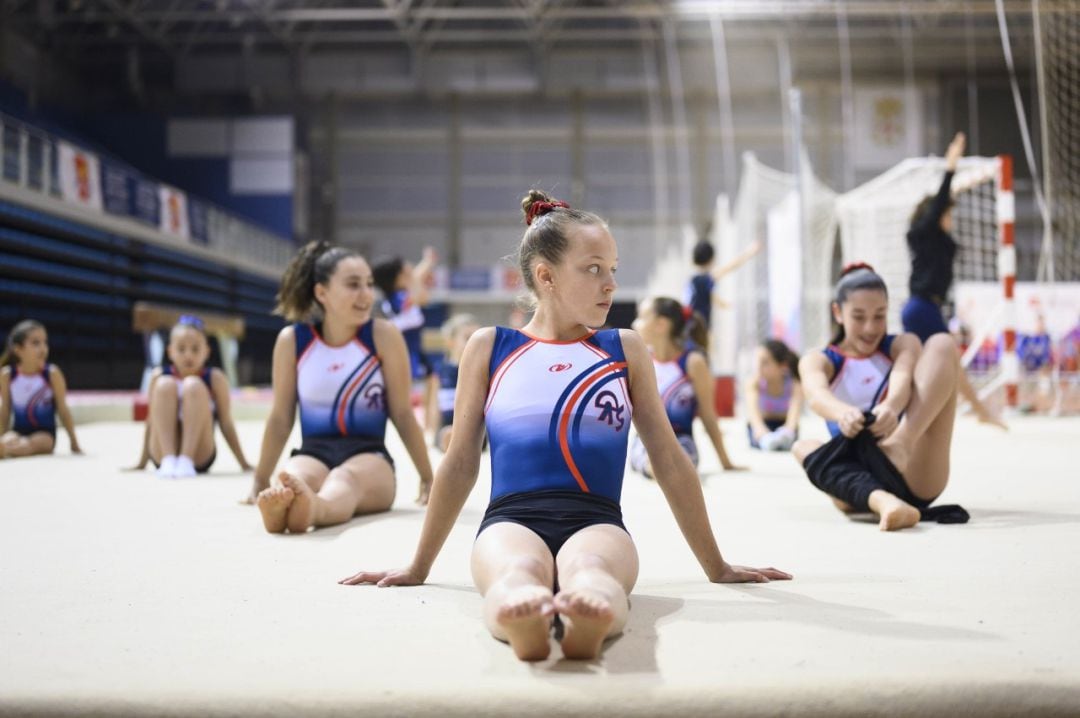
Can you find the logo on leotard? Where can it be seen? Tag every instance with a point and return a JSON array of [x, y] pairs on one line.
[[374, 396], [335, 367], [611, 411], [559, 367]]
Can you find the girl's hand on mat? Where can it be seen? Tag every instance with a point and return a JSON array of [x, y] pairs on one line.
[[746, 574], [425, 493], [382, 579], [851, 422], [886, 421]]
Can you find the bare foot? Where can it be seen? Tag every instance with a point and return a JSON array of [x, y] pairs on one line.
[[273, 505], [525, 617], [588, 618], [301, 514], [894, 512]]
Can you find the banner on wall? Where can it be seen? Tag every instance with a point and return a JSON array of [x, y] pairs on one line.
[[198, 221], [116, 181], [80, 176], [887, 127], [174, 212]]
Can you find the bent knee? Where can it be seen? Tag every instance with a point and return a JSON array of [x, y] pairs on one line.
[[165, 384], [803, 448], [942, 344], [193, 386]]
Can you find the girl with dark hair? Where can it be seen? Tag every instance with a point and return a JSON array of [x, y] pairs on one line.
[[557, 398], [774, 398], [404, 288], [32, 392], [683, 378], [349, 373], [933, 250], [892, 399], [186, 397]]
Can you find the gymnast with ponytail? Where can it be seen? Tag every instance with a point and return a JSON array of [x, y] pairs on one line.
[[676, 335], [349, 373], [889, 402]]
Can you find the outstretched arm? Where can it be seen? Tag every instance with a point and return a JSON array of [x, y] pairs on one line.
[[752, 394], [457, 472], [5, 399], [742, 258], [702, 380], [282, 413], [59, 388], [421, 274], [794, 411], [676, 475], [144, 455], [941, 200], [220, 384], [394, 358]]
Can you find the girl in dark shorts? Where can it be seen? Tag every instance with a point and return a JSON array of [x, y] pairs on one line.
[[889, 402], [349, 373], [557, 399], [32, 393]]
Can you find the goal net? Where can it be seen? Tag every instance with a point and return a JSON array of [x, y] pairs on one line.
[[784, 291], [874, 219], [1058, 26]]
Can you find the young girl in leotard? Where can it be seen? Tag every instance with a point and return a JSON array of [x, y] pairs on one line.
[[349, 374], [32, 393], [557, 398]]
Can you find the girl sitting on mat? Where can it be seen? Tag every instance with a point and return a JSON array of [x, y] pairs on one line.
[[349, 373], [557, 398], [683, 378], [774, 398], [892, 398], [33, 392], [186, 397]]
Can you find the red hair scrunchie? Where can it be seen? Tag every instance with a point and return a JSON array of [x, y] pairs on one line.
[[687, 313], [539, 209], [848, 268]]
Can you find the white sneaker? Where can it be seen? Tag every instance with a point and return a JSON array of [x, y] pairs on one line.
[[167, 470], [184, 467]]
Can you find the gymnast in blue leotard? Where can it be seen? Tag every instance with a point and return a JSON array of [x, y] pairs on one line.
[[557, 399], [349, 374], [32, 393]]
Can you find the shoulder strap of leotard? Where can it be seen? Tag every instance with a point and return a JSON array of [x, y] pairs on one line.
[[305, 335]]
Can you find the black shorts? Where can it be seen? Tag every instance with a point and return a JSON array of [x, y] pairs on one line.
[[852, 469], [202, 469], [554, 515], [21, 431], [336, 450]]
